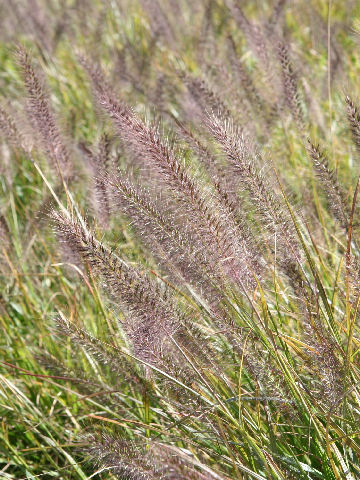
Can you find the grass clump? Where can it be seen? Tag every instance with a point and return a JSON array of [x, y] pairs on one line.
[[179, 255]]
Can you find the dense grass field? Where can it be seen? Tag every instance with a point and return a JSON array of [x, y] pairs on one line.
[[179, 239]]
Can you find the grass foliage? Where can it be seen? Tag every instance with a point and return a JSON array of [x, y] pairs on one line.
[[179, 240]]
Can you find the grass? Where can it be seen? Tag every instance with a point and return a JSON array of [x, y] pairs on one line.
[[267, 385]]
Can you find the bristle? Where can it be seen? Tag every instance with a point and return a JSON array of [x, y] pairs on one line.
[[242, 155], [158, 21], [353, 115], [204, 95], [42, 117], [252, 94], [290, 85], [252, 32], [152, 318], [329, 182], [106, 354], [121, 457], [10, 129], [98, 159]]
